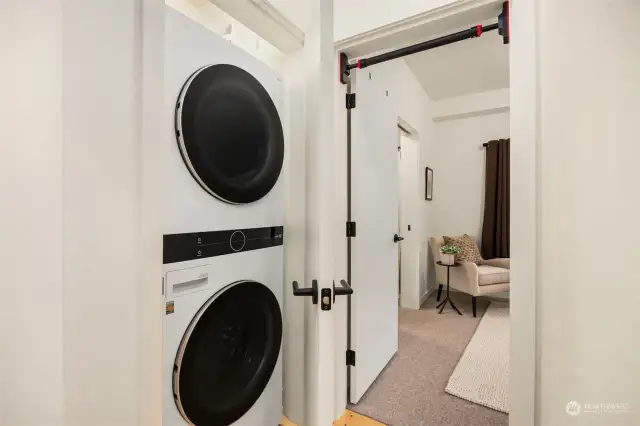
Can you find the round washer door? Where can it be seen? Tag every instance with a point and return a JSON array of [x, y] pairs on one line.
[[229, 133], [228, 354]]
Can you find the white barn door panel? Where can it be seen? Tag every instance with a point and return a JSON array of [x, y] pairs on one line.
[[374, 254]]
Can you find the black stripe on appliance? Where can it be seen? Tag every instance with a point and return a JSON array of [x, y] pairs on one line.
[[198, 245]]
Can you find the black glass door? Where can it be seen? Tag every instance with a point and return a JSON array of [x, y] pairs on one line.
[[230, 134], [228, 354]]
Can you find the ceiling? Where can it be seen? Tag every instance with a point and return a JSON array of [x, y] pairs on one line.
[[296, 11], [470, 66]]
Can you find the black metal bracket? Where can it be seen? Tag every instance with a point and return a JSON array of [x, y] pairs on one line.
[[307, 292], [351, 101], [504, 25], [344, 290], [351, 229], [351, 358], [344, 71]]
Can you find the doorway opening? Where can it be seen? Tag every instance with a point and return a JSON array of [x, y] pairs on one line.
[[408, 217], [407, 352]]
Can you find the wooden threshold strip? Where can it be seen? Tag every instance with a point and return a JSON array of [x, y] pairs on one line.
[[348, 419]]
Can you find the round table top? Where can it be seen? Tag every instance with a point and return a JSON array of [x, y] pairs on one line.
[[444, 264]]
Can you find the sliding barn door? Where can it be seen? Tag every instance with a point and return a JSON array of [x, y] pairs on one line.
[[374, 254]]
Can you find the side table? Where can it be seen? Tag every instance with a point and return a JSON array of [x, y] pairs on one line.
[[447, 299]]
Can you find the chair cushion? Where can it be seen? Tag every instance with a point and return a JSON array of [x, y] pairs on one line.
[[488, 275], [468, 246]]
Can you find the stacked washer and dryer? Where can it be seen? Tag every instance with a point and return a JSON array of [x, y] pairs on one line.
[[222, 248]]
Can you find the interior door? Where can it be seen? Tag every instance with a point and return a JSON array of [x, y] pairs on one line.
[[374, 253], [409, 196]]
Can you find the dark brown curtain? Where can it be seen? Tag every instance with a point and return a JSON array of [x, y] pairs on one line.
[[495, 228]]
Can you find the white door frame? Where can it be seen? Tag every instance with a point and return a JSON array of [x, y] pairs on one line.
[[524, 172]]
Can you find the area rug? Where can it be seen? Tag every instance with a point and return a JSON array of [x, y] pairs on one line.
[[482, 374]]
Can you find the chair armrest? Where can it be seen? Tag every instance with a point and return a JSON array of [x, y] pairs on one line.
[[504, 262], [465, 277]]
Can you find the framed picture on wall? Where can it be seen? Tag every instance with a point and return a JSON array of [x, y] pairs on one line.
[[428, 187]]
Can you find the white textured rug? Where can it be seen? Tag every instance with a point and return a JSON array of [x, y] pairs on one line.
[[482, 374]]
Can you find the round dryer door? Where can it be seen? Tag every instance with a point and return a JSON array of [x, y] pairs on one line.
[[229, 133], [228, 354]]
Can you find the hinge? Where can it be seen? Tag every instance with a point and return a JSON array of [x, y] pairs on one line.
[[351, 229], [351, 358], [351, 100]]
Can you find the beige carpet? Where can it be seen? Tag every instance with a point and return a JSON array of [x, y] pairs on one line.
[[410, 390], [482, 374]]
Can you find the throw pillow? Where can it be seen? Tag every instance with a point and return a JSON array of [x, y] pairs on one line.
[[469, 249]]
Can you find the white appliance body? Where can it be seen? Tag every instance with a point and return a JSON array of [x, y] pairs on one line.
[[212, 246], [189, 285], [188, 207]]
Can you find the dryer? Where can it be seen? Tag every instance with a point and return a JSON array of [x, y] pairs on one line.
[[223, 234], [224, 150]]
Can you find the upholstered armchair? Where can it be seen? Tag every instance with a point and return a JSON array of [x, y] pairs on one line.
[[493, 276]]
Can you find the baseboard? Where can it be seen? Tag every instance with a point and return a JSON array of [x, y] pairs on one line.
[[425, 296], [504, 296]]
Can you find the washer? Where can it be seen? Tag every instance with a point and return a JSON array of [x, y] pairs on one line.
[[222, 245], [224, 150], [223, 328]]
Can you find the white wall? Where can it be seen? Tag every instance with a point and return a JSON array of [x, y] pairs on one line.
[[588, 317], [210, 16], [353, 17], [297, 11], [111, 256], [31, 382], [78, 238], [481, 103], [459, 172]]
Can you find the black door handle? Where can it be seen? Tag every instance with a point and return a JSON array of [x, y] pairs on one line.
[[344, 290], [307, 292], [397, 238]]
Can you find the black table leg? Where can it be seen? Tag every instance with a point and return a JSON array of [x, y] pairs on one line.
[[454, 307], [447, 299]]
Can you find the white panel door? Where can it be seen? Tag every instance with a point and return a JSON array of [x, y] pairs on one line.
[[409, 197], [374, 254]]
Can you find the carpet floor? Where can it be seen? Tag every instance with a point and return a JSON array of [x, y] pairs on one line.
[[410, 390]]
